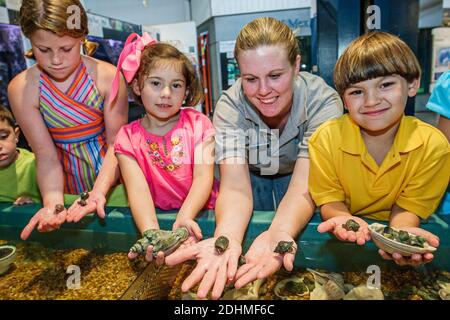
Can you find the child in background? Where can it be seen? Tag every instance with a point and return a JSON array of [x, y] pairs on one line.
[[375, 162], [167, 157], [440, 103], [17, 166], [61, 105], [18, 170]]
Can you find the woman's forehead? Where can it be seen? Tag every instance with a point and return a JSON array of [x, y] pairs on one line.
[[266, 49], [263, 58]]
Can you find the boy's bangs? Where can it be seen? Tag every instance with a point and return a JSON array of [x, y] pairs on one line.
[[375, 55], [369, 67]]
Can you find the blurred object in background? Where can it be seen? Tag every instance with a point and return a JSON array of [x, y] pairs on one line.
[[12, 60]]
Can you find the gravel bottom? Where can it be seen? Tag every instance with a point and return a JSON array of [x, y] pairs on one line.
[[404, 284], [39, 273]]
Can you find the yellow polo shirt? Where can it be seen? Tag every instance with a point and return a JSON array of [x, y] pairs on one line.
[[414, 174]]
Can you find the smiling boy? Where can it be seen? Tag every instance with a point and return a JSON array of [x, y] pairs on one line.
[[375, 162]]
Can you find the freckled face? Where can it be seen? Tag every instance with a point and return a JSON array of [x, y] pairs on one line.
[[58, 56]]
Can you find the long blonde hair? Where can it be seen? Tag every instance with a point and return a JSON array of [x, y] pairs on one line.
[[267, 31], [53, 15]]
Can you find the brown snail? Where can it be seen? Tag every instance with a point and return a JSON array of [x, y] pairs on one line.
[[59, 208], [351, 225], [284, 246], [221, 244], [83, 197]]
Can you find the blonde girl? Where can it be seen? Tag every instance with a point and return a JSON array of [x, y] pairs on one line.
[[62, 106]]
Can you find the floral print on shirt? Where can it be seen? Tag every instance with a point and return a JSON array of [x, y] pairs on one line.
[[163, 157]]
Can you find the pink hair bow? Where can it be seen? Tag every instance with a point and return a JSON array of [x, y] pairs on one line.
[[130, 59]]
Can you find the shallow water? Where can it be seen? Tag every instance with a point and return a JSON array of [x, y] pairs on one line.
[[40, 273]]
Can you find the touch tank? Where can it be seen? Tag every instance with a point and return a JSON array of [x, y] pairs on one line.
[[88, 260]]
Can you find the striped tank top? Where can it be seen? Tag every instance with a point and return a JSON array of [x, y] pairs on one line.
[[75, 122]]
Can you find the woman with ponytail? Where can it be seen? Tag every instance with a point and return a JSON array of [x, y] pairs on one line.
[[62, 106]]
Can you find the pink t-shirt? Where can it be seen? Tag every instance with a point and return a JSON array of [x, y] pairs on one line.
[[168, 161]]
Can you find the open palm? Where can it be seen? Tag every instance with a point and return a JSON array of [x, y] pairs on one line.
[[95, 203], [334, 225], [415, 259], [45, 220], [212, 271], [262, 261]]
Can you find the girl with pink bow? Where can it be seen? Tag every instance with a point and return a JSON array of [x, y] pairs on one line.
[[167, 157]]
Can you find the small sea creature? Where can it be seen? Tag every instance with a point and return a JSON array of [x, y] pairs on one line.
[[149, 236], [83, 197], [416, 241], [242, 260], [221, 244], [396, 240], [161, 240], [170, 241], [351, 225], [23, 200], [140, 246], [291, 288], [388, 232], [59, 208], [295, 287], [153, 234], [284, 246], [403, 236]]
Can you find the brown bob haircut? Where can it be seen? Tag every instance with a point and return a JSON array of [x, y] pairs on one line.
[[373, 55]]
